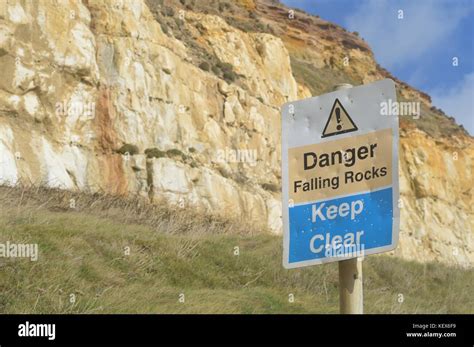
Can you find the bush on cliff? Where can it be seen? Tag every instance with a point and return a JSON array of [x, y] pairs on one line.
[[128, 148]]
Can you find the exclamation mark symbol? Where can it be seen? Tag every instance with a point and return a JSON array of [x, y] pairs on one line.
[[338, 118]]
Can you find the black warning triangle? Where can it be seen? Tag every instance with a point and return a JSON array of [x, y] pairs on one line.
[[339, 121]]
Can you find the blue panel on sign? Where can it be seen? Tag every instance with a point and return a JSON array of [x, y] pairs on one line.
[[338, 227]]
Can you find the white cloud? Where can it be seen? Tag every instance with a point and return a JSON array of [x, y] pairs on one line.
[[458, 101], [396, 42], [404, 43]]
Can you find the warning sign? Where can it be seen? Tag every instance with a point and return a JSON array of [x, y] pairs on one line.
[[340, 176], [341, 167], [339, 121]]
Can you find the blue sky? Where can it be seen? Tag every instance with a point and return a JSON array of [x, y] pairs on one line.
[[418, 49]]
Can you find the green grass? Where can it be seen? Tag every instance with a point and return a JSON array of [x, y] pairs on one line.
[[83, 253], [319, 80]]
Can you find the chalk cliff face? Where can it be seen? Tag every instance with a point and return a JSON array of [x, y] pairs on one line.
[[103, 95]]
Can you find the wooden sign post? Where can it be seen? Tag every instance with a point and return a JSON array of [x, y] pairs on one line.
[[351, 295]]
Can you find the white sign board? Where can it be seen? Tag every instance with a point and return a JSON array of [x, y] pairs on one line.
[[340, 175]]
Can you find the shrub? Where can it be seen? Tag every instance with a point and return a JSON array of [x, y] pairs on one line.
[[200, 27], [154, 153], [168, 11], [204, 66], [240, 178], [227, 71], [272, 187], [164, 28], [128, 148], [229, 76], [176, 153], [216, 70], [224, 66], [224, 173]]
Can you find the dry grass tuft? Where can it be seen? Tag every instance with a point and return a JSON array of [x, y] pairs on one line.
[[161, 216]]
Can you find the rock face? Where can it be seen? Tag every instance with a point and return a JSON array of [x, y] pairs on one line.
[[95, 96], [85, 79], [436, 178]]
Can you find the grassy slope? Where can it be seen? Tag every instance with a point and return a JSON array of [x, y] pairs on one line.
[[83, 253]]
